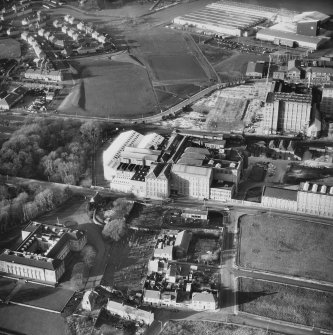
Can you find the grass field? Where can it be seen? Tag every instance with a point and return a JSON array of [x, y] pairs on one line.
[[30, 321], [210, 328], [9, 48], [111, 89], [287, 303], [293, 247], [176, 67]]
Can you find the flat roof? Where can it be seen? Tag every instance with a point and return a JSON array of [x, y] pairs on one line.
[[196, 170], [289, 36], [280, 193]]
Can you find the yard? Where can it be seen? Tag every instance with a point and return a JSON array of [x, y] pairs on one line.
[[287, 303], [146, 216], [293, 247]]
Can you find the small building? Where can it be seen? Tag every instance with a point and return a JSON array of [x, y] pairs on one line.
[[279, 198], [89, 300], [279, 75], [204, 301], [195, 214], [222, 190], [152, 297], [165, 252], [182, 243], [130, 313], [255, 69]]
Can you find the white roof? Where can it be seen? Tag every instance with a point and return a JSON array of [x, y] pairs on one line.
[[151, 294], [188, 169], [149, 140], [311, 16], [203, 297]]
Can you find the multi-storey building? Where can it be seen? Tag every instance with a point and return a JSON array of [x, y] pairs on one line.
[[326, 106], [191, 181], [158, 181], [315, 199], [279, 198], [40, 256], [320, 74]]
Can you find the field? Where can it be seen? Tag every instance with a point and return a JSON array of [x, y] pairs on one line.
[[30, 321], [292, 247], [210, 328], [287, 303], [9, 48], [111, 89], [176, 67]]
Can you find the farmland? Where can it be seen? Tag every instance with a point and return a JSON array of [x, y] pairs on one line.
[[287, 303], [292, 247]]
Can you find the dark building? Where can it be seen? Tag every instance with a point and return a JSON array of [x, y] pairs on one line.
[[308, 28]]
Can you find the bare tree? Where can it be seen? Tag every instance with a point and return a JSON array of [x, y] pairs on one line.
[[115, 229]]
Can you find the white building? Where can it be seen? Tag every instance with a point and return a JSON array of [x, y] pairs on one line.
[[38, 74], [279, 198], [130, 313], [204, 301], [152, 297], [326, 105]]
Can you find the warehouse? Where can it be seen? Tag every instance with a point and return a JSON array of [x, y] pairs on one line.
[[223, 19], [290, 39]]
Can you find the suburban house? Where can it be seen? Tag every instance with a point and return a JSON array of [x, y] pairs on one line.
[[204, 301]]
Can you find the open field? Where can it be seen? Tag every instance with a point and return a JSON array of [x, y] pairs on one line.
[[9, 48], [210, 328], [288, 246], [111, 89], [176, 67], [287, 303], [51, 298], [30, 321]]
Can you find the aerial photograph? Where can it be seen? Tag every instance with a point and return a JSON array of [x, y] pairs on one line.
[[166, 167]]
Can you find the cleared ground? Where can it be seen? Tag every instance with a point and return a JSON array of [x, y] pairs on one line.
[[293, 247], [176, 67], [287, 303], [210, 328], [29, 321], [111, 89]]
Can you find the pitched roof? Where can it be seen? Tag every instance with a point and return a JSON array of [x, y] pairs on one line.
[[280, 193], [195, 170], [151, 294], [203, 297], [183, 240]]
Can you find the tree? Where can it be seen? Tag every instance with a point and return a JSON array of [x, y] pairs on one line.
[[115, 229], [91, 132], [88, 254]]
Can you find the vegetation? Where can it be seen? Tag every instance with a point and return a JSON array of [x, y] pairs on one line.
[[209, 328], [287, 303], [56, 150], [88, 254], [115, 229], [22, 204]]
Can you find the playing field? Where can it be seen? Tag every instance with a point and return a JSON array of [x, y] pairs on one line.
[[293, 247], [111, 89], [285, 302], [176, 67]]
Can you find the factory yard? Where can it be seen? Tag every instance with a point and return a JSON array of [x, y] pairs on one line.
[[293, 247], [286, 303]]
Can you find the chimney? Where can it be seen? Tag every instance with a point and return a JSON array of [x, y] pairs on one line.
[[314, 188], [323, 189], [306, 186]]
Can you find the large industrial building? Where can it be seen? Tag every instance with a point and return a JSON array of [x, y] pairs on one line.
[[286, 112], [141, 165], [41, 254], [310, 198]]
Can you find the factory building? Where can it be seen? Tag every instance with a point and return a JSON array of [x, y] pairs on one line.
[[41, 254], [12, 98], [290, 38], [315, 199]]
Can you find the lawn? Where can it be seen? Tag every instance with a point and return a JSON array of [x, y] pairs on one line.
[[210, 328], [30, 321], [176, 67], [288, 246], [9, 48], [111, 89], [287, 303], [51, 298]]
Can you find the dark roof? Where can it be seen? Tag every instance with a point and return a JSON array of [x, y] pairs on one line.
[[280, 193], [255, 67], [141, 173]]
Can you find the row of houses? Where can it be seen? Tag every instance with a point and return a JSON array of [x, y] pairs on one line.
[[26, 36]]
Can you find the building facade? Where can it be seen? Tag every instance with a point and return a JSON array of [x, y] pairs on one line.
[[279, 198]]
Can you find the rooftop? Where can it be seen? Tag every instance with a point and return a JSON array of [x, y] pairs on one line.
[[280, 193], [195, 170]]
